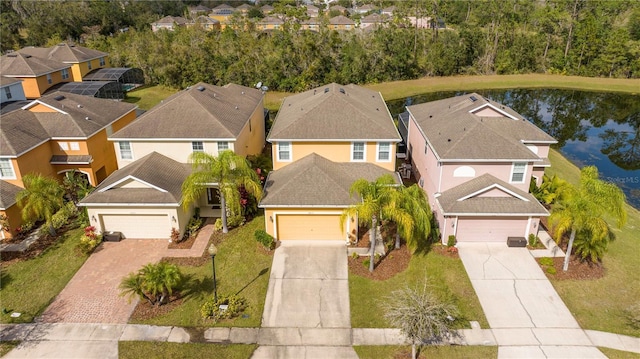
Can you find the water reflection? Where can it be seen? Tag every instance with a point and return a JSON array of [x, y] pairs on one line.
[[592, 128]]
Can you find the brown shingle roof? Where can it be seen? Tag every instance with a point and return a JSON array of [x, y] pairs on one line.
[[20, 130], [70, 159], [317, 181], [6, 81], [154, 169], [334, 112], [202, 111], [455, 133], [170, 20], [451, 203], [64, 52], [270, 20], [341, 20], [16, 64], [374, 19], [8, 194]]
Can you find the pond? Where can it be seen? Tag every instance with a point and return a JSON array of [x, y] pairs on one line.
[[592, 128]]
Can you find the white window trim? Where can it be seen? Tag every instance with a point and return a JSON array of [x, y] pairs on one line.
[[63, 146], [364, 151], [103, 62], [193, 149], [130, 149], [89, 66], [49, 79], [524, 174], [13, 170], [290, 152], [65, 74], [75, 146], [222, 149], [378, 152]]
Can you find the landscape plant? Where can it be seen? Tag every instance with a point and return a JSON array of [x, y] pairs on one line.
[[89, 240], [235, 305], [40, 199], [264, 238], [153, 283]]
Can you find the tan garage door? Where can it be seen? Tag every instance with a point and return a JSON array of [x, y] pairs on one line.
[[487, 229], [309, 227], [138, 226]]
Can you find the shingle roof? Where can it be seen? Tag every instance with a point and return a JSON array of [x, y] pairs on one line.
[[170, 20], [8, 194], [6, 81], [374, 18], [202, 111], [154, 169], [452, 202], [20, 129], [334, 112], [455, 133], [271, 20], [71, 159], [16, 64], [341, 20], [317, 181], [64, 52]]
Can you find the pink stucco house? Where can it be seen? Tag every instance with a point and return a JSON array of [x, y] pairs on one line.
[[475, 159]]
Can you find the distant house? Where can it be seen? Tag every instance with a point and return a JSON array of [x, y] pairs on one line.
[[373, 20], [195, 11], [266, 9], [364, 9], [37, 74], [169, 23], [269, 23], [341, 23], [205, 22], [388, 11], [426, 22], [11, 90], [82, 60], [222, 13], [312, 24], [338, 8], [312, 11], [244, 8]]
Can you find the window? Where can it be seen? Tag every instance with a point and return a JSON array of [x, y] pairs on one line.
[[357, 151], [6, 168], [102, 61], [125, 150], [75, 146], [65, 74], [222, 146], [63, 146], [284, 151], [89, 65], [7, 92], [49, 79], [213, 197], [384, 151], [347, 26], [518, 171], [197, 146]]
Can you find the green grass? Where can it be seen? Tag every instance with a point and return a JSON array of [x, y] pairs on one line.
[[446, 276], [29, 286], [150, 350], [149, 96], [618, 354], [241, 266], [6, 347], [600, 304], [432, 352]]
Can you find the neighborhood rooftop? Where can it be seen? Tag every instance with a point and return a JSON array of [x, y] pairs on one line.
[[64, 52]]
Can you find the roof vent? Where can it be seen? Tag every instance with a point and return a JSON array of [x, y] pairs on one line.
[[27, 56], [448, 140], [236, 107], [79, 106], [200, 88], [326, 90], [314, 91], [342, 90], [473, 99], [59, 98], [430, 116], [243, 92], [87, 118]]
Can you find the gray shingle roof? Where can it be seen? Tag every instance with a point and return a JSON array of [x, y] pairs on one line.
[[455, 133], [64, 52], [341, 20], [71, 159], [451, 203], [154, 169], [214, 112], [317, 181], [8, 194], [334, 112], [6, 81], [20, 130], [171, 20], [16, 64]]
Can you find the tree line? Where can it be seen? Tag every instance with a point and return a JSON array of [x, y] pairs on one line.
[[573, 37]]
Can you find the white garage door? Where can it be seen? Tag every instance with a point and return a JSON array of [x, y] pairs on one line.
[[138, 226], [309, 226], [483, 229]]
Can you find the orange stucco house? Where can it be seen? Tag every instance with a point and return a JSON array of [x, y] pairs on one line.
[[58, 133]]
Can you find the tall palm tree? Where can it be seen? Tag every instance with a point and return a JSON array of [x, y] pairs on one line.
[[415, 203], [228, 171], [582, 210], [40, 199], [379, 199]]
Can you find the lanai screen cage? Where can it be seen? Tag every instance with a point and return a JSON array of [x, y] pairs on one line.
[[128, 78]]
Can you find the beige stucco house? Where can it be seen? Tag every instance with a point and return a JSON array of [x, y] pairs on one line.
[[322, 141], [202, 118]]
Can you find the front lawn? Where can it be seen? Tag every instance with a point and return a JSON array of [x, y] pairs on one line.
[[446, 276], [600, 304], [29, 286], [150, 350], [241, 267], [430, 351]]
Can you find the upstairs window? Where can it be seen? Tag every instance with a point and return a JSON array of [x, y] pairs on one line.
[[49, 79], [284, 151], [197, 146], [65, 74], [7, 92], [63, 146], [384, 151], [125, 150], [518, 172], [102, 61], [6, 168], [223, 146], [75, 146], [89, 65], [358, 151]]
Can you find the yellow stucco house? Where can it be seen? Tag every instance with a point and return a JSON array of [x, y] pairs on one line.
[[323, 140], [58, 133], [143, 198]]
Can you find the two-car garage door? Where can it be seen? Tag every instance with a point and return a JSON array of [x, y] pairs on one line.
[[486, 229], [308, 226], [138, 226]]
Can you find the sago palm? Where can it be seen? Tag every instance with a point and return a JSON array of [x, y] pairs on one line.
[[40, 199], [581, 213], [228, 171]]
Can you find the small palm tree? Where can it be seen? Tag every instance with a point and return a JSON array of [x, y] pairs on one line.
[[40, 199], [153, 282], [76, 186], [132, 286], [379, 199], [552, 190], [228, 171], [415, 203], [581, 214]]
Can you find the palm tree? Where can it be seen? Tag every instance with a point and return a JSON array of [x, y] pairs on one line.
[[228, 171], [379, 199], [415, 203], [581, 213], [76, 186], [153, 282], [40, 199]]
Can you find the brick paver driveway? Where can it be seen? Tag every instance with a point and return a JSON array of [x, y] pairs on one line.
[[92, 295]]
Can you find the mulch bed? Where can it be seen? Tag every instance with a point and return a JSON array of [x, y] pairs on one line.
[[144, 310], [396, 261], [185, 244], [34, 250], [444, 251], [578, 270]]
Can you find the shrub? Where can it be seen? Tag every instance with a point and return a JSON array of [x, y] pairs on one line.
[[355, 255], [211, 309], [546, 261], [89, 240], [193, 226], [217, 226], [633, 315], [532, 239], [452, 250], [366, 263], [71, 209], [451, 241], [235, 220], [551, 270], [264, 238], [60, 218], [175, 235]]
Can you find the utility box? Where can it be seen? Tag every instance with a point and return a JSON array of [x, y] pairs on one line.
[[112, 236], [516, 242]]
